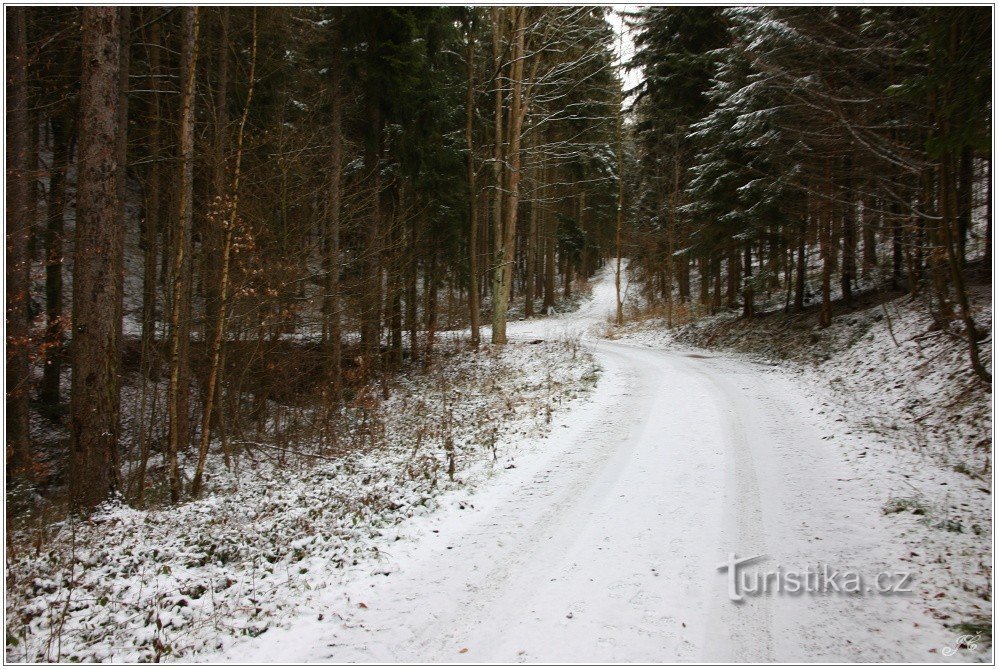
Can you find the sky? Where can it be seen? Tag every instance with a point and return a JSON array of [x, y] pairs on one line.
[[625, 43]]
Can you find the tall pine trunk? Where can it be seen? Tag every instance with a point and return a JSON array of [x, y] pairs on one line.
[[331, 301], [18, 235], [178, 396], [96, 291], [469, 124], [49, 392]]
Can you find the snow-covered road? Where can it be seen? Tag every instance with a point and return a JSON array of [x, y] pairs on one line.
[[603, 543]]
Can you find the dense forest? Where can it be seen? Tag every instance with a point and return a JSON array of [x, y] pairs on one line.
[[278, 279], [770, 136], [234, 207], [220, 206]]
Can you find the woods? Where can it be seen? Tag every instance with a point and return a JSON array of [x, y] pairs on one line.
[[199, 197], [771, 140], [483, 333]]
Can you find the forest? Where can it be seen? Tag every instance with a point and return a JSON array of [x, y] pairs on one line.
[[264, 256], [313, 195]]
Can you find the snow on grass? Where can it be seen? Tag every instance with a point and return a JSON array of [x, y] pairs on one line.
[[162, 584]]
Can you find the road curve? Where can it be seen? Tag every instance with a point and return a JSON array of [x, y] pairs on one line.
[[603, 545]]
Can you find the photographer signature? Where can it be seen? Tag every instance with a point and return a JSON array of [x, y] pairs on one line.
[[968, 641]]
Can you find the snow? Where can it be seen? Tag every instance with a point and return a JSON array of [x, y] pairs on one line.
[[602, 545], [593, 535], [911, 427], [279, 531]]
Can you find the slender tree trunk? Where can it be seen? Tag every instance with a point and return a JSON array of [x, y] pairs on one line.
[[18, 234], [469, 126], [149, 236], [734, 278], [848, 274], [125, 45], [430, 312], [97, 292], [49, 393], [213, 227], [825, 233], [716, 300], [897, 248], [748, 292], [869, 237], [987, 232], [801, 267], [411, 320], [151, 229], [223, 286], [530, 282], [949, 208], [499, 290], [178, 397], [371, 263], [331, 302], [965, 201], [703, 267]]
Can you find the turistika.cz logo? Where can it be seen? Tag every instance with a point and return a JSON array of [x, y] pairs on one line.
[[819, 578]]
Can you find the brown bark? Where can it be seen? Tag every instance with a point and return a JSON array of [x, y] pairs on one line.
[[49, 392], [96, 291], [370, 332], [178, 396], [331, 301], [469, 108], [827, 253], [223, 287], [530, 282], [18, 235], [848, 274], [498, 174]]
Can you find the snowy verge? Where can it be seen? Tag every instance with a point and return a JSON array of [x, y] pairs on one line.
[[135, 585]]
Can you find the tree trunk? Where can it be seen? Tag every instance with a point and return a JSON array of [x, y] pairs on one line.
[[469, 124], [965, 201], [827, 251], [371, 263], [500, 292], [18, 234], [848, 274], [949, 207], [801, 267], [748, 304], [96, 291], [152, 223], [223, 286], [49, 393], [869, 237], [331, 301], [178, 396], [430, 311], [530, 280]]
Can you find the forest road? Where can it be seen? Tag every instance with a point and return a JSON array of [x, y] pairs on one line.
[[603, 544]]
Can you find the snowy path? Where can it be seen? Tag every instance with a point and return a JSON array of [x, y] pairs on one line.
[[602, 545]]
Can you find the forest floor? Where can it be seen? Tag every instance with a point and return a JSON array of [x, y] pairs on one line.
[[603, 543], [291, 521]]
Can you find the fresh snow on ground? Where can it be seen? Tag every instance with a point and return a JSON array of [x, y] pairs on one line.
[[595, 537], [281, 531], [603, 544]]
